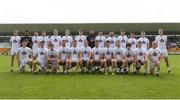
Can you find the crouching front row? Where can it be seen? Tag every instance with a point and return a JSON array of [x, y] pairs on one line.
[[104, 60]]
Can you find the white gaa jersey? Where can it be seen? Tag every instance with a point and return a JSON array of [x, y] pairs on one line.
[[133, 42], [63, 51], [101, 40], [140, 54], [161, 41], [24, 53], [80, 40], [112, 41], [144, 43], [123, 40], [46, 40], [15, 42], [155, 54], [85, 52], [41, 54], [35, 40], [118, 53], [96, 53], [52, 53], [55, 40], [74, 51], [129, 53], [68, 40], [107, 53]]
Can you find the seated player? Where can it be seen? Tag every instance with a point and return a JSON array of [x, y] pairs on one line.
[[63, 54], [52, 59], [23, 56], [154, 55], [74, 58], [86, 56], [96, 56], [129, 55], [106, 57], [140, 59], [118, 62], [41, 58]]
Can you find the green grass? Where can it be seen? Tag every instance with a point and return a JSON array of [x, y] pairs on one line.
[[18, 85]]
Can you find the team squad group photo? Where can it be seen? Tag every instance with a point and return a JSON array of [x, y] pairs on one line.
[[94, 53]]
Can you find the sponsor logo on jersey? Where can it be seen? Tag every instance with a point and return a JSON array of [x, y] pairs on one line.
[[15, 41], [55, 40], [24, 53], [154, 54], [161, 40]]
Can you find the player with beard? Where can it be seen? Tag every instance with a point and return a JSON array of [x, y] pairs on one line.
[[91, 38], [112, 39]]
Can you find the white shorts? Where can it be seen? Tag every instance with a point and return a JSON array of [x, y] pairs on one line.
[[152, 65], [14, 52], [42, 63], [164, 52], [74, 59], [22, 64]]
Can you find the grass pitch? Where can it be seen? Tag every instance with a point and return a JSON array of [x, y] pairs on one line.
[[25, 85]]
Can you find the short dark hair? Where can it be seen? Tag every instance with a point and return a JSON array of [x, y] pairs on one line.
[[128, 44]]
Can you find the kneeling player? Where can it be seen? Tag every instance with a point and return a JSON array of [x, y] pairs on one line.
[[23, 56], [41, 58], [141, 59], [118, 57], [129, 57], [74, 58], [106, 57], [63, 54], [154, 55], [52, 59], [96, 56], [86, 56]]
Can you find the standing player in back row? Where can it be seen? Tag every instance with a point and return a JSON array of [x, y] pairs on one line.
[[144, 41], [55, 40], [36, 42], [112, 39], [45, 39], [15, 44], [68, 39], [132, 41], [161, 41], [123, 39], [80, 39], [101, 39]]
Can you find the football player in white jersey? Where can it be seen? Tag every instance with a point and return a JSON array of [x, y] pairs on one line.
[[140, 59], [23, 56], [96, 57], [41, 58], [101, 39], [36, 42], [74, 58], [80, 39], [15, 44], [63, 55], [67, 38], [112, 39], [132, 41], [86, 56], [106, 57], [154, 55], [52, 59], [118, 62], [144, 41], [45, 39], [123, 39], [129, 56], [55, 39], [161, 41]]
